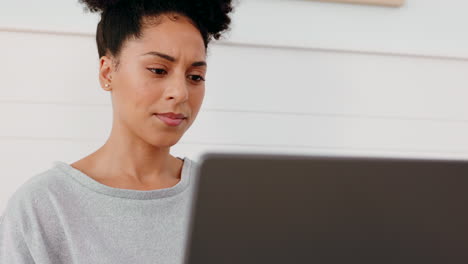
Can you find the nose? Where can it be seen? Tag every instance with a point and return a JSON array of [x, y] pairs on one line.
[[177, 89]]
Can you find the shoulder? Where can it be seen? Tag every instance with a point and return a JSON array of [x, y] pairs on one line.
[[193, 167], [36, 192], [28, 213], [194, 164]]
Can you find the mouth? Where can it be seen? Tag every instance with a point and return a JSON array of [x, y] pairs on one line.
[[171, 119]]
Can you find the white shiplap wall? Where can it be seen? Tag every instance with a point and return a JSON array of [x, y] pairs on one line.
[[293, 76]]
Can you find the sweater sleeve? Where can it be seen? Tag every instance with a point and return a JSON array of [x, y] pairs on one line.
[[13, 247]]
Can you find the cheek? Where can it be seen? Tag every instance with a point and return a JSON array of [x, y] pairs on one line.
[[145, 97], [146, 90], [196, 98], [130, 84], [140, 90]]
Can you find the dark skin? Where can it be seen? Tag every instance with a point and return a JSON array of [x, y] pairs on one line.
[[161, 72]]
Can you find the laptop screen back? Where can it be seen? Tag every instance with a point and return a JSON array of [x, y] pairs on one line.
[[301, 209]]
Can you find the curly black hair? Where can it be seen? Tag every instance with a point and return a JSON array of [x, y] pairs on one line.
[[123, 19]]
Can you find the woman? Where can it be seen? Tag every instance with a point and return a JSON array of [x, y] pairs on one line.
[[128, 201]]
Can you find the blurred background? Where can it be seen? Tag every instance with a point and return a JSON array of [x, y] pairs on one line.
[[292, 76]]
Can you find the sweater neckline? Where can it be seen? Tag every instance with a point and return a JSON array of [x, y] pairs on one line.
[[96, 186]]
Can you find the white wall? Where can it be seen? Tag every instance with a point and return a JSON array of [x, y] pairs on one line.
[[293, 76]]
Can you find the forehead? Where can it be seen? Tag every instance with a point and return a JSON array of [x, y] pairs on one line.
[[177, 37]]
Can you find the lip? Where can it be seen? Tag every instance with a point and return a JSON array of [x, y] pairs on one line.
[[172, 115], [171, 119]]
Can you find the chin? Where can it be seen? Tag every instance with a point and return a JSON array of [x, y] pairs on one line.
[[164, 142]]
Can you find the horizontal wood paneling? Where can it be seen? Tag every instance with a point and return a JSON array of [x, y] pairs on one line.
[[63, 69], [410, 29], [300, 81], [423, 27], [293, 76], [256, 129], [50, 68]]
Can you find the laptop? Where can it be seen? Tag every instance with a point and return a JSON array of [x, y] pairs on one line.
[[272, 208]]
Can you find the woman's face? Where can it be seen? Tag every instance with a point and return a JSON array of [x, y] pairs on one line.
[[161, 72]]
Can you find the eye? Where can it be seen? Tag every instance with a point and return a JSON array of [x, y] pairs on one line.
[[157, 71], [196, 78]]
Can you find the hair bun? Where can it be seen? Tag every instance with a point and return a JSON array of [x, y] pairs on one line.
[[99, 5]]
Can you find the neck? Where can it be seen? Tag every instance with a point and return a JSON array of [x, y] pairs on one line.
[[130, 159]]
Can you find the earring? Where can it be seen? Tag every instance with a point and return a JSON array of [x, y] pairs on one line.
[[107, 85]]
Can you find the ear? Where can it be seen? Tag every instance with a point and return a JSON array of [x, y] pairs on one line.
[[106, 68]]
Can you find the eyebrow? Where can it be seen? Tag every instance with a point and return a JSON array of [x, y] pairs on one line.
[[172, 59]]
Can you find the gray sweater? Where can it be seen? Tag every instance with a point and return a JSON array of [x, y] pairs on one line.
[[64, 216]]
